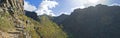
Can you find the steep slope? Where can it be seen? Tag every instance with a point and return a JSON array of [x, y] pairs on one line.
[[49, 29], [15, 24], [100, 21], [60, 18]]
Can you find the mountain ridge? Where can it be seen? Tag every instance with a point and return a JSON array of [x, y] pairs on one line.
[[94, 22]]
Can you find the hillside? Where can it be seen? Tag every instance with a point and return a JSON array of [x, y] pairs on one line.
[[60, 18], [100, 21], [15, 24], [49, 29], [32, 15]]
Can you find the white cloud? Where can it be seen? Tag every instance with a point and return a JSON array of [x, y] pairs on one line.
[[29, 7], [45, 7], [85, 3], [114, 4]]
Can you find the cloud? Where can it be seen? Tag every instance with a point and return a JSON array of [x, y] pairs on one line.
[[29, 7], [115, 4], [45, 7], [85, 3]]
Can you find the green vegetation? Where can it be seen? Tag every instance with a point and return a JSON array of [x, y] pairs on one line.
[[5, 22], [43, 29], [49, 29]]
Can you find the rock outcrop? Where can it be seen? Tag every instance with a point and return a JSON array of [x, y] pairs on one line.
[[14, 8]]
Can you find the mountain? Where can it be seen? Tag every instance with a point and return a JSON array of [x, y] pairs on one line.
[[60, 18], [32, 15], [49, 29], [100, 21], [15, 23]]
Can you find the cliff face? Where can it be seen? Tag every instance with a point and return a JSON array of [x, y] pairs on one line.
[[12, 19], [12, 4]]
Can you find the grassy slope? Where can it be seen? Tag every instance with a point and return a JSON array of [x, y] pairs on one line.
[[46, 29], [5, 23], [49, 29]]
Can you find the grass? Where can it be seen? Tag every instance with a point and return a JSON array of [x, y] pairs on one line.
[[6, 23]]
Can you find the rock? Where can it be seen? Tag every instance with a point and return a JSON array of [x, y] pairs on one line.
[[27, 22], [6, 35], [12, 7]]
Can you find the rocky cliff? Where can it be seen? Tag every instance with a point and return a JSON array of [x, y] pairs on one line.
[[12, 25]]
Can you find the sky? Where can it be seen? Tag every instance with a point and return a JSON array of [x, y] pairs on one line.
[[58, 7]]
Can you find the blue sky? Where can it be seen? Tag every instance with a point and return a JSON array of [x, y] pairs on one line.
[[66, 6], [35, 3]]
